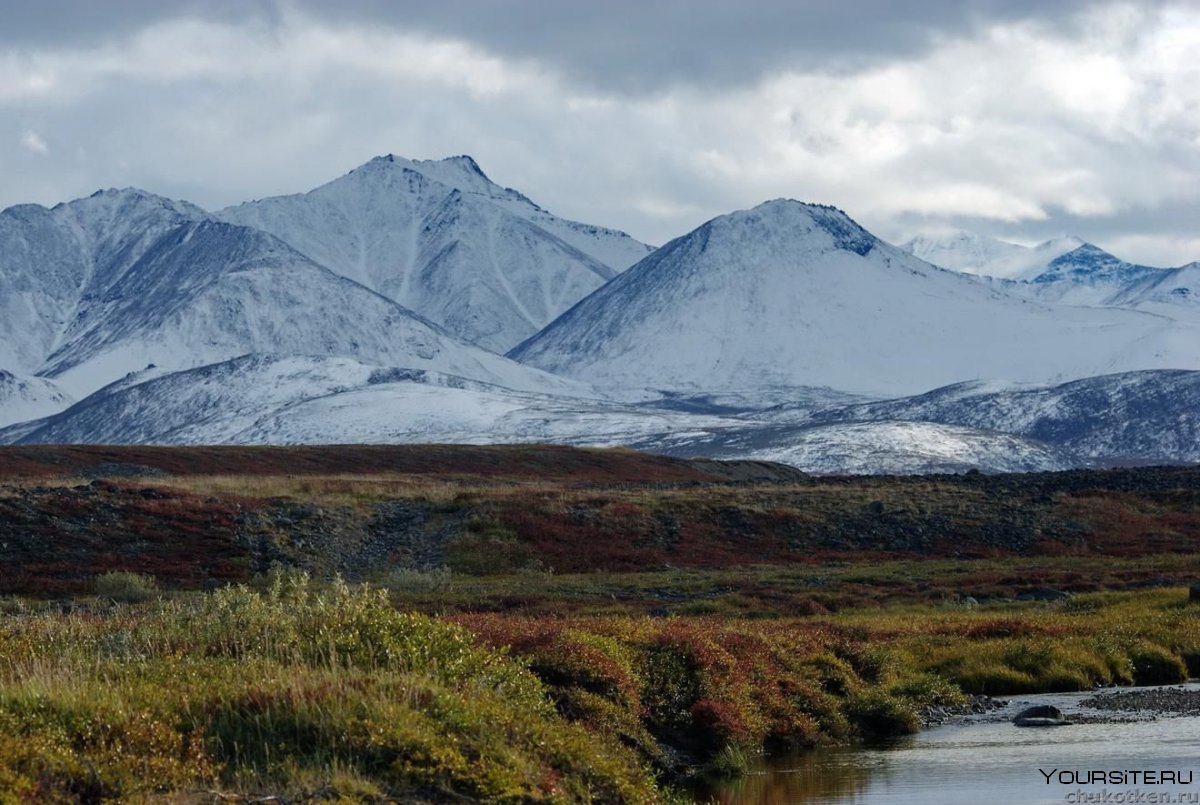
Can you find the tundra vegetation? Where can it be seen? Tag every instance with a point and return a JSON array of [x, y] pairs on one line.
[[528, 624]]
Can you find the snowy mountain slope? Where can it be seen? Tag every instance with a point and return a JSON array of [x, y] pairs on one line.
[[281, 399], [275, 399], [1172, 291], [611, 247], [981, 255], [207, 291], [50, 259], [441, 239], [25, 397], [290, 399], [1145, 416], [800, 295], [888, 448], [213, 402]]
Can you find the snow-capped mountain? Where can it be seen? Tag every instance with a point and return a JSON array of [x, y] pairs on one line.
[[50, 259], [786, 332], [278, 399], [792, 294], [441, 239], [1087, 275], [972, 253], [1066, 270], [1132, 416], [122, 279], [273, 399], [1165, 291], [24, 397]]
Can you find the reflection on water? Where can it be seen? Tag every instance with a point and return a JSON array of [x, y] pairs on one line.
[[980, 762], [810, 777]]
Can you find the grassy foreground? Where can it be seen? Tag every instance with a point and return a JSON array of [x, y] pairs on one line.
[[527, 624], [327, 692]]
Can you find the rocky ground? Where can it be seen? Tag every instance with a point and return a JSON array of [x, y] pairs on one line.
[[974, 706], [1155, 702], [1112, 706]]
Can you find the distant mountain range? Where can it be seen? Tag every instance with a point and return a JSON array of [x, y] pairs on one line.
[[414, 301], [1066, 270]]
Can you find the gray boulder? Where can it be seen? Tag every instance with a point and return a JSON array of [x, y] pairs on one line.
[[1043, 715]]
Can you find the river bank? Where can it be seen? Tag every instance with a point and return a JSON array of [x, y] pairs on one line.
[[985, 758]]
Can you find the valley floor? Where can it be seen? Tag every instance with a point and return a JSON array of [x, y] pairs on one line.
[[430, 623]]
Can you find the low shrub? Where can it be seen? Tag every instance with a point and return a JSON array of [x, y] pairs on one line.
[[408, 580], [125, 587], [876, 714], [1155, 665]]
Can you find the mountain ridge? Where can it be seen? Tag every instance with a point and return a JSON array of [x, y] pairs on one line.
[[794, 294]]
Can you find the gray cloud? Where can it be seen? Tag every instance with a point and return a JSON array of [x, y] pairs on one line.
[[645, 45], [634, 46], [651, 117], [50, 23]]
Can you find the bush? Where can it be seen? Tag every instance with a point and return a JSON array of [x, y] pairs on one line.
[[408, 580], [1154, 665], [125, 587], [879, 715], [489, 549]]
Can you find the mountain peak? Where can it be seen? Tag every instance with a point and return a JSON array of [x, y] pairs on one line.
[[465, 161], [1062, 245], [1084, 258], [787, 215], [120, 201], [461, 171]]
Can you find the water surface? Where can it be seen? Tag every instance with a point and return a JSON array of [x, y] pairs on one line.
[[985, 760]]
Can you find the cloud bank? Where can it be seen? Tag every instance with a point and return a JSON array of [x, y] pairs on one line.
[[650, 117]]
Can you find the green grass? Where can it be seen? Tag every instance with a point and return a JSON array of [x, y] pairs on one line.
[[329, 691], [125, 587], [288, 691]]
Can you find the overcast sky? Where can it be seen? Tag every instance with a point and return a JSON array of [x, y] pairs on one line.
[[999, 117]]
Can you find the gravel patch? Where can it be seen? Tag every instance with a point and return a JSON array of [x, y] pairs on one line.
[[1157, 702]]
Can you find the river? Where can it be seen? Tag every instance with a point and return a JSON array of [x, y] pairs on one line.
[[985, 759]]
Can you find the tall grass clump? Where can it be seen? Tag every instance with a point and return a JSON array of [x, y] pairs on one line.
[[281, 692], [125, 587]]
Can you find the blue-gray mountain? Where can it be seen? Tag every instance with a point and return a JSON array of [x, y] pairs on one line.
[[1127, 417], [1067, 270]]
